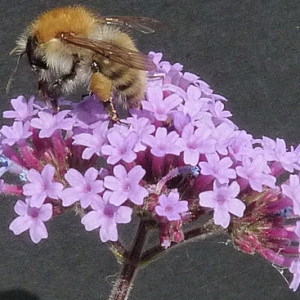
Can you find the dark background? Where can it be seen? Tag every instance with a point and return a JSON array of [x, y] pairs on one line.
[[248, 51]]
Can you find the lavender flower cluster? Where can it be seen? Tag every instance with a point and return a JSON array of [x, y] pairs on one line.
[[174, 160]]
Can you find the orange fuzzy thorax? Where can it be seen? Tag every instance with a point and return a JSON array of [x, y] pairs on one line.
[[74, 19]]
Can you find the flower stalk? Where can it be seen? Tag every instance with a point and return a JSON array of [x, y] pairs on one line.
[[130, 265]]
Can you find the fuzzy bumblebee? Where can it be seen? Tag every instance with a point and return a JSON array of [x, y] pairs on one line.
[[71, 46]]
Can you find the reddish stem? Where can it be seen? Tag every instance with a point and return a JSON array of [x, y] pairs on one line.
[[124, 283]]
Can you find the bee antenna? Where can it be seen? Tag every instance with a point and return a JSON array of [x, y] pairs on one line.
[[11, 77]]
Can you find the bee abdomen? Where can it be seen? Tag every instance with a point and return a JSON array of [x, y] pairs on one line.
[[127, 82], [126, 86]]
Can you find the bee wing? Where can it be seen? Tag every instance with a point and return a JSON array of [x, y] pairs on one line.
[[142, 24], [121, 55]]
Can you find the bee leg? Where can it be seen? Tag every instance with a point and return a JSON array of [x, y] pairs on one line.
[[67, 77], [43, 90], [102, 87], [60, 81]]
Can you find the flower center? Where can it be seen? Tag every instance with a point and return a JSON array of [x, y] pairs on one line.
[[122, 151], [192, 145], [33, 212], [127, 187], [221, 199], [87, 188], [109, 211], [169, 209]]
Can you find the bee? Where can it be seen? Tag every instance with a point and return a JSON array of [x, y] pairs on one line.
[[71, 46]]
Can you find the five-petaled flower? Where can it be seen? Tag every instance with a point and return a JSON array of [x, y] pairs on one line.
[[31, 218], [222, 199], [41, 185], [106, 216], [84, 188], [171, 207], [48, 123], [126, 186]]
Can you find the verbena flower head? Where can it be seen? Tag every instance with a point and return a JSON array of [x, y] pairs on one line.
[[179, 158]]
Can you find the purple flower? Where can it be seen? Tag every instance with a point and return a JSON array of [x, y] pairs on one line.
[[196, 142], [31, 218], [241, 145], [16, 133], [170, 206], [222, 199], [143, 128], [89, 111], [219, 168], [120, 148], [84, 188], [126, 185], [204, 87], [192, 109], [180, 120], [194, 94], [165, 66], [23, 110], [297, 229], [223, 134], [195, 106], [218, 112], [295, 270], [172, 72], [48, 122], [41, 186], [255, 171], [292, 190], [276, 151], [93, 142], [188, 79], [156, 57], [163, 143], [161, 107], [171, 89], [106, 216]]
